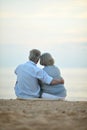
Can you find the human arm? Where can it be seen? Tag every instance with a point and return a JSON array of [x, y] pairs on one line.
[[57, 81], [45, 78]]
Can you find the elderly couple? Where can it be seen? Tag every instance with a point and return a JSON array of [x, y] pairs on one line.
[[34, 82]]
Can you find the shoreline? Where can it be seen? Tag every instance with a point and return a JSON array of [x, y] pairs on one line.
[[70, 99], [40, 114]]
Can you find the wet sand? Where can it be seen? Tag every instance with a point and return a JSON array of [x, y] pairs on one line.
[[41, 114]]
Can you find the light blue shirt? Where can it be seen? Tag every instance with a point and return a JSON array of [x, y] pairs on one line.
[[27, 80], [57, 90]]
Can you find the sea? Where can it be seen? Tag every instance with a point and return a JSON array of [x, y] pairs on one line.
[[75, 83]]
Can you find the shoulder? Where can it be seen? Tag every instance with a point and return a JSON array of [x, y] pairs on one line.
[[51, 67], [57, 68], [18, 68]]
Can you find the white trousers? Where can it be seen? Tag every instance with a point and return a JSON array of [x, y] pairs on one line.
[[50, 96]]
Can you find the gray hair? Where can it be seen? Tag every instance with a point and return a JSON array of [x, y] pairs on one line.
[[46, 59], [34, 55]]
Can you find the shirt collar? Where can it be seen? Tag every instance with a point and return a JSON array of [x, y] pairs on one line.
[[32, 62]]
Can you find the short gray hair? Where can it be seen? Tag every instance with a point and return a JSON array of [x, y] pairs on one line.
[[34, 55], [46, 59]]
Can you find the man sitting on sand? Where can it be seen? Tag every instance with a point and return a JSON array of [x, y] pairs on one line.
[[27, 85]]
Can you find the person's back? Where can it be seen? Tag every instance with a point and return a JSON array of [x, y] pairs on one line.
[[27, 84], [59, 89]]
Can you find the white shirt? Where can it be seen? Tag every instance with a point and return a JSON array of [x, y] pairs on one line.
[[27, 80]]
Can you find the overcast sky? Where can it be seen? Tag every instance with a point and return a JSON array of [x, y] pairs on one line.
[[54, 26]]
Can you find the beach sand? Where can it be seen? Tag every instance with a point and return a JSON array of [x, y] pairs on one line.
[[42, 115]]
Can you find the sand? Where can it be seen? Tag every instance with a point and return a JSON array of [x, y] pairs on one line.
[[42, 115]]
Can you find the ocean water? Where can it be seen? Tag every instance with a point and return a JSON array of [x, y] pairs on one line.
[[75, 83]]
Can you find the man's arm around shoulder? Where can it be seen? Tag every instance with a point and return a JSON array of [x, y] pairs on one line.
[[57, 81]]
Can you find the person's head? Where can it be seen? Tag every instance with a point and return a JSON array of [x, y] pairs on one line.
[[46, 59], [34, 55]]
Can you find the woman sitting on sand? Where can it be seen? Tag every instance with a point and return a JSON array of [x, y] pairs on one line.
[[51, 91]]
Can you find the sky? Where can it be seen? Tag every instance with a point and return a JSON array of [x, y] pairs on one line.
[[54, 26]]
